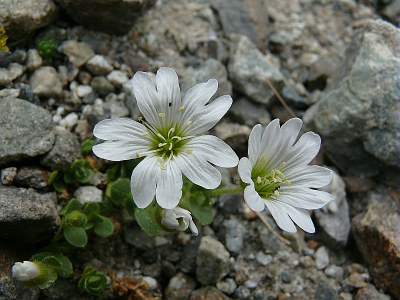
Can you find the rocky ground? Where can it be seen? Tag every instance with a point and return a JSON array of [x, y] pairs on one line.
[[335, 63]]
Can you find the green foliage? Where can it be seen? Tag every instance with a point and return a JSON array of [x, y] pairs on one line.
[[79, 172], [92, 281], [76, 236], [3, 40], [119, 192], [87, 145], [149, 219], [121, 170], [47, 49]]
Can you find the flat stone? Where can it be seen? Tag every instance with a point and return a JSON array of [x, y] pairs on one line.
[[96, 14], [26, 130], [13, 71], [32, 177], [180, 287], [356, 114], [65, 150], [233, 235], [102, 86], [78, 52], [377, 237], [26, 215], [22, 17], [249, 70], [212, 261], [46, 83]]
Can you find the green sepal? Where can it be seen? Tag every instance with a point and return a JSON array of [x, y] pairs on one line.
[[46, 277], [149, 219], [59, 262], [53, 175], [76, 236]]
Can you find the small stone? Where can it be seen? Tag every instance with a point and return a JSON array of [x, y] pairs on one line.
[[26, 93], [86, 194], [325, 292], [286, 277], [135, 236], [321, 258], [69, 121], [369, 292], [307, 261], [263, 258], [32, 177], [65, 151], [209, 293], [212, 261], [334, 272], [99, 65], [249, 113], [153, 284], [242, 292], [180, 287], [78, 52], [26, 215], [46, 83], [13, 71], [234, 233], [117, 78], [34, 60], [227, 286], [14, 93], [8, 175], [84, 90], [102, 86]]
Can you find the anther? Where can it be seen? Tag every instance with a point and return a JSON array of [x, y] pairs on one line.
[[161, 144], [181, 108], [188, 122], [161, 114]]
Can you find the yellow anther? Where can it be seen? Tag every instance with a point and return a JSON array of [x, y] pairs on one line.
[[281, 165], [145, 133], [161, 114], [138, 155], [188, 122], [181, 108]]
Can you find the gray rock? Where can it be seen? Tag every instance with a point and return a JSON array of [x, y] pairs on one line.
[[85, 194], [227, 286], [135, 236], [249, 70], [96, 14], [8, 175], [321, 258], [26, 93], [263, 258], [22, 17], [65, 150], [209, 293], [233, 235], [102, 86], [117, 78], [334, 272], [46, 83], [249, 113], [369, 292], [180, 287], [242, 292], [113, 108], [32, 177], [13, 93], [13, 71], [235, 135], [376, 234], [325, 292], [212, 261], [99, 65], [26, 130], [355, 115], [334, 219], [78, 52], [26, 215], [34, 60]]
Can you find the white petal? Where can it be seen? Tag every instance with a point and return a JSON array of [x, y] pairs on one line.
[[302, 218], [269, 143], [207, 117], [199, 171], [200, 94], [169, 186], [309, 176], [120, 150], [303, 151], [244, 170], [119, 129], [213, 150], [253, 200], [304, 197], [193, 228], [147, 97], [280, 216], [143, 181], [254, 142], [290, 130]]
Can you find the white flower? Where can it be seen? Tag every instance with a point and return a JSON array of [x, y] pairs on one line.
[[168, 138], [25, 271], [178, 219], [279, 177]]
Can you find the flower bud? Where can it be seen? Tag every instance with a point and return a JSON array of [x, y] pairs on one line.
[[178, 219], [25, 271]]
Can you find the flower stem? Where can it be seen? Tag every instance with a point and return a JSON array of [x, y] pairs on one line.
[[224, 191]]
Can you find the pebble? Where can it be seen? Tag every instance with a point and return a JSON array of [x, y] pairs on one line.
[[8, 175], [286, 277], [179, 287], [69, 120], [34, 60], [46, 83], [153, 284], [102, 86], [84, 90], [242, 292], [99, 65], [263, 258], [86, 194], [334, 272], [78, 52], [12, 72], [227, 286], [117, 78], [321, 258]]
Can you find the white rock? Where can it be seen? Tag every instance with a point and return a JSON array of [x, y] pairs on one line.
[[99, 65], [321, 258], [117, 78], [84, 90], [34, 60], [69, 121], [85, 194]]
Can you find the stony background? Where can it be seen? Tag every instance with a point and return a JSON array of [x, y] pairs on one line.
[[335, 64]]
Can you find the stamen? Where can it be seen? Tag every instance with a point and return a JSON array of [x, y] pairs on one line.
[[161, 136], [170, 147], [161, 144], [145, 133], [181, 108], [138, 155], [176, 137], [188, 122], [161, 114], [170, 131]]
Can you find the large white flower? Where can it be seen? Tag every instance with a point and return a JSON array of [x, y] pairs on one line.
[[178, 219], [279, 177], [168, 138]]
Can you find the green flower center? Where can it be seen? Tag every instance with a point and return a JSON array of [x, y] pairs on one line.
[[267, 182]]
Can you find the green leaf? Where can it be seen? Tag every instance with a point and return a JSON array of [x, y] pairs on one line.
[[59, 185], [104, 227], [200, 207], [51, 261], [87, 145], [72, 205], [120, 191], [65, 270], [69, 177], [92, 281], [76, 236], [149, 219], [91, 208], [75, 219], [52, 177]]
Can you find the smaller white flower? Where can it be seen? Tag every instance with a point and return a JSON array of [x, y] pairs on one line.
[[279, 177], [178, 219], [25, 271]]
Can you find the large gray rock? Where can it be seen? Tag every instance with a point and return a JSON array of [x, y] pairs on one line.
[[357, 116], [212, 261], [66, 149], [26, 215], [113, 16], [26, 130], [377, 236], [250, 70], [21, 17]]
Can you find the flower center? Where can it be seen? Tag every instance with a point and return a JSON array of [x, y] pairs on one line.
[[268, 182]]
